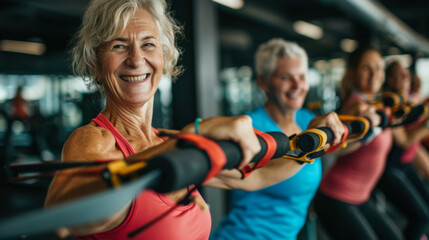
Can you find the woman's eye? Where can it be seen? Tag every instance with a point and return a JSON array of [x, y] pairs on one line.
[[284, 78], [365, 68], [149, 44], [119, 47]]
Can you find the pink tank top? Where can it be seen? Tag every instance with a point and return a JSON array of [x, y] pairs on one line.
[[184, 223], [353, 177], [409, 154]]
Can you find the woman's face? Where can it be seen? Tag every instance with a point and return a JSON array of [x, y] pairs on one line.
[[130, 66], [400, 80], [288, 86], [369, 75]]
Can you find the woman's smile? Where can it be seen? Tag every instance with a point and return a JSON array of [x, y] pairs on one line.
[[134, 78]]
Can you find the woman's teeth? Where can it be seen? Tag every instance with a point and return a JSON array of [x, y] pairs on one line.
[[293, 95], [134, 78]]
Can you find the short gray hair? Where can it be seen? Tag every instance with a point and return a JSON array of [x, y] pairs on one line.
[[268, 53], [105, 20]]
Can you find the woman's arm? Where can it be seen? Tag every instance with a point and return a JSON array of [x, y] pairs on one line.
[[421, 162], [405, 138], [84, 144], [357, 108], [87, 144], [275, 170]]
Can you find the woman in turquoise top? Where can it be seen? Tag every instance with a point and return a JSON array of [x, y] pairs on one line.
[[278, 211]]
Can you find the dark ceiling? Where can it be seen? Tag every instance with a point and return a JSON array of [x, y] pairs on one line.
[[55, 21], [395, 26]]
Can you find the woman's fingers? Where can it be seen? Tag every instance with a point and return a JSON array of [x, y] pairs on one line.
[[331, 121], [247, 139], [238, 129], [372, 115]]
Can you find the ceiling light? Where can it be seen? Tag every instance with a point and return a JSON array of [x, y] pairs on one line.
[[235, 38], [308, 29], [322, 66], [33, 48], [348, 45], [337, 63], [235, 4]]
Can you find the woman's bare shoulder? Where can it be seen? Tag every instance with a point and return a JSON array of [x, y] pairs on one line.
[[88, 142]]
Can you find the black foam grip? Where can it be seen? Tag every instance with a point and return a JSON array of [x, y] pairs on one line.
[[329, 134], [388, 101], [399, 113], [190, 165], [356, 127], [384, 119], [414, 114], [309, 142]]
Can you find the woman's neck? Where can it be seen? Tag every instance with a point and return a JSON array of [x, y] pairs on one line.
[[284, 118], [133, 121]]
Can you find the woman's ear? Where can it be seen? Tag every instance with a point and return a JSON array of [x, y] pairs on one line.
[[262, 84], [97, 74], [96, 67]]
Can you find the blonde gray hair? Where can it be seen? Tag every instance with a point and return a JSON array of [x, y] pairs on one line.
[[105, 20], [268, 53]]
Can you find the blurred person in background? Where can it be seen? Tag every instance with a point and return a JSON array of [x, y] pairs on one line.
[[415, 96], [400, 182], [279, 211], [421, 161], [20, 107], [18, 119], [343, 203]]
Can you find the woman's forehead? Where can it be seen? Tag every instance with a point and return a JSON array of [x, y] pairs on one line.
[[142, 19]]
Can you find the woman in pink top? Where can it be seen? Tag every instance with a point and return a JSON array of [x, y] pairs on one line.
[[123, 48], [400, 182], [343, 203]]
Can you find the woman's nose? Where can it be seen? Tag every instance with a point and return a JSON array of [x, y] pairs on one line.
[[135, 57], [372, 72], [295, 83]]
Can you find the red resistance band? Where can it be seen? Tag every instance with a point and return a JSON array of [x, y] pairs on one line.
[[213, 150], [271, 150], [343, 139]]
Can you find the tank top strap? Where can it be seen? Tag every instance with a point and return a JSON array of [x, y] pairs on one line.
[[165, 138], [358, 96], [122, 143]]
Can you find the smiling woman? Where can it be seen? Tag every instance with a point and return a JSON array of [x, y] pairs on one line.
[[281, 68], [114, 19], [124, 48], [131, 65], [343, 204]]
